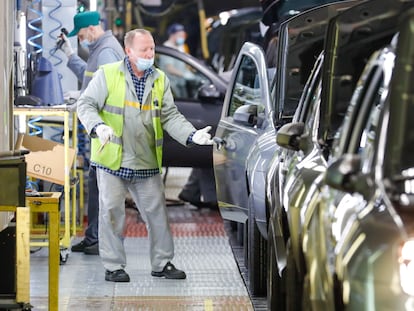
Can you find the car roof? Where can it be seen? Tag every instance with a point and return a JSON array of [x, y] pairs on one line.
[[401, 104], [301, 40], [277, 11], [195, 62], [353, 36]]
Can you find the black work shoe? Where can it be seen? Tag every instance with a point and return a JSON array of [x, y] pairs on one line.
[[79, 247], [170, 272], [210, 204], [92, 249], [116, 276], [194, 202]]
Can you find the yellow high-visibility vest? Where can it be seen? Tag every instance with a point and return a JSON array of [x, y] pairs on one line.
[[113, 116]]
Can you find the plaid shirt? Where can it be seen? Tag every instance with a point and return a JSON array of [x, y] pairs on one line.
[[123, 172]]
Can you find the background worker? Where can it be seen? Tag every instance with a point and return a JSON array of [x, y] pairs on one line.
[[126, 107], [103, 48], [176, 38], [200, 188], [177, 71]]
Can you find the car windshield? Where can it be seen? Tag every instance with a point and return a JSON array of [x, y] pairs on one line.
[[184, 79], [403, 160], [399, 160]]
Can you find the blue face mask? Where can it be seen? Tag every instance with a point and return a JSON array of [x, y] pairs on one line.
[[179, 41], [85, 43], [144, 63]]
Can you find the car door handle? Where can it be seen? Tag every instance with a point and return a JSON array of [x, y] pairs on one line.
[[219, 142]]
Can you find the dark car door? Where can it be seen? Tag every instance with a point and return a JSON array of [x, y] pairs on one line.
[[246, 108], [198, 93]]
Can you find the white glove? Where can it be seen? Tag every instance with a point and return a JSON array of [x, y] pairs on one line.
[[66, 46], [104, 132], [202, 137], [71, 95]]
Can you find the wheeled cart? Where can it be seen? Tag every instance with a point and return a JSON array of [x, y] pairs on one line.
[[70, 193], [48, 202]]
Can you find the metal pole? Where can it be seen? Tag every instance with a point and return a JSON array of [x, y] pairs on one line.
[[203, 35], [110, 10]]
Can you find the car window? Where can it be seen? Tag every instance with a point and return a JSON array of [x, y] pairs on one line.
[[246, 90], [185, 80], [310, 93], [312, 112], [356, 114], [366, 146]]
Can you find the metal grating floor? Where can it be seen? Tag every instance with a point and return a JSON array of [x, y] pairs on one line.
[[202, 250]]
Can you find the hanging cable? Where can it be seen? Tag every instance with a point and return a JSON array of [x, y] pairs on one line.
[[32, 186], [53, 50], [37, 49], [34, 130], [58, 137], [31, 24], [33, 55]]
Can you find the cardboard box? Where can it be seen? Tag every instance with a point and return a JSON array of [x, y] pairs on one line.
[[46, 159]]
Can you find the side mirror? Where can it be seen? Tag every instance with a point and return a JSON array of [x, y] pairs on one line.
[[345, 174], [246, 115], [290, 136], [208, 93]]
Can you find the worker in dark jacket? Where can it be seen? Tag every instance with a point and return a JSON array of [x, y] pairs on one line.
[[103, 48]]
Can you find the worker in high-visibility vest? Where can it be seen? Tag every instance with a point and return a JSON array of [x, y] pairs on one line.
[[125, 109]]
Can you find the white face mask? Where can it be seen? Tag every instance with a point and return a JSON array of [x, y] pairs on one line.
[[144, 63]]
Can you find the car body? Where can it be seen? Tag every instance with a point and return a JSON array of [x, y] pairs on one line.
[[368, 103], [227, 34], [200, 102], [365, 198], [352, 37], [256, 103]]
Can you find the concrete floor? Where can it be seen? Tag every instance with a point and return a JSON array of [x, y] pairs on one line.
[[202, 250]]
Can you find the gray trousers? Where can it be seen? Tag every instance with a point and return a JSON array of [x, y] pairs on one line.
[[91, 232], [149, 196]]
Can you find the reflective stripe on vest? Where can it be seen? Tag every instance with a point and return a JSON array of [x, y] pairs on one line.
[[156, 103], [113, 115]]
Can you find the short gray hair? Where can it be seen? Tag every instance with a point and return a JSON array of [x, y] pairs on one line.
[[130, 35]]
